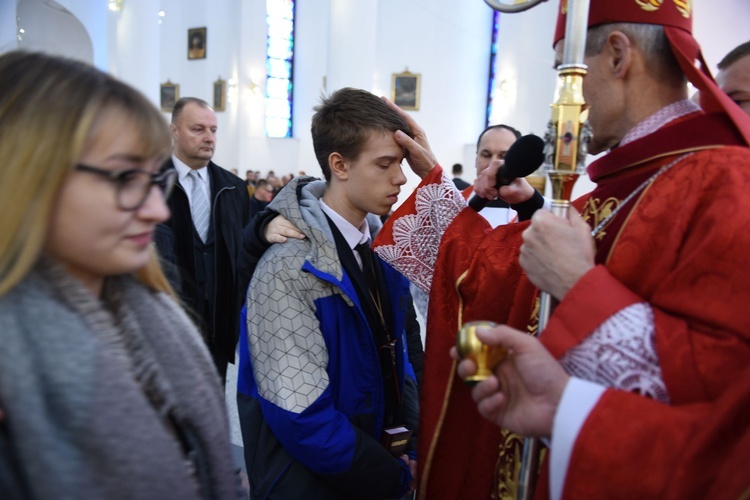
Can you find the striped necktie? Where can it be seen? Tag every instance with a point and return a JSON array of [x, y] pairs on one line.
[[199, 208]]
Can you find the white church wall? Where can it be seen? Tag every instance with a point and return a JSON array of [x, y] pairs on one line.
[[94, 19], [8, 35], [311, 79], [197, 76], [446, 41], [720, 26], [50, 27]]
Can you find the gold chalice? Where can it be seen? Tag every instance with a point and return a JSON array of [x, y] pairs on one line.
[[470, 347]]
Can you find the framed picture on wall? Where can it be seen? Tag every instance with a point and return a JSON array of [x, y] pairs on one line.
[[405, 90], [197, 43], [220, 95], [168, 96]]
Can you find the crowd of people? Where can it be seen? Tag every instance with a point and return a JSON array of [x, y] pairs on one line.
[[274, 183], [133, 269]]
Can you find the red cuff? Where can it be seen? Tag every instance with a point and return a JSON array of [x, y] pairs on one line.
[[596, 297]]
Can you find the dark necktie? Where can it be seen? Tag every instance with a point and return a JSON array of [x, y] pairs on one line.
[[386, 343], [368, 267], [199, 208]]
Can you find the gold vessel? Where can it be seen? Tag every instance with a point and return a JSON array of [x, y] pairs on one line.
[[470, 347]]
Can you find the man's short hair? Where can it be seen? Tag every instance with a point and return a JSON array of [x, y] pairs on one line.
[[498, 126], [181, 103], [650, 40], [735, 55], [458, 169], [343, 121]]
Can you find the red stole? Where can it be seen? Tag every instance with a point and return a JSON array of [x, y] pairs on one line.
[[458, 448]]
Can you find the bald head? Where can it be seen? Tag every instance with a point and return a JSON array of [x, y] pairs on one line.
[[493, 143], [734, 76]]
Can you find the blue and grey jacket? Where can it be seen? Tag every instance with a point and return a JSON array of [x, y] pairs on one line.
[[310, 390]]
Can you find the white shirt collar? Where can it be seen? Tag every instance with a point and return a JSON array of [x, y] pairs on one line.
[[352, 234], [183, 170]]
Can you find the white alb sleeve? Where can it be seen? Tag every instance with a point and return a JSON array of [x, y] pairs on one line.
[[578, 399]]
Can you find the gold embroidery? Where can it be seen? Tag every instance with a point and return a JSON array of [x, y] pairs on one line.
[[533, 327], [685, 7], [649, 5], [564, 7], [508, 467], [599, 211]]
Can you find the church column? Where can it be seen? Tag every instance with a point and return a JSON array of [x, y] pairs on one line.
[[8, 34], [135, 49], [352, 44]]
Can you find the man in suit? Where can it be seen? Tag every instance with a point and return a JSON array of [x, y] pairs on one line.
[[492, 145], [203, 238], [262, 196], [458, 171]]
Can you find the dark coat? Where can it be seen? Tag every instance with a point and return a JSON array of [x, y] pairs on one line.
[[230, 213], [460, 183]]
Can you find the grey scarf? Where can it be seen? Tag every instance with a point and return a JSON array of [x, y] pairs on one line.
[[112, 398]]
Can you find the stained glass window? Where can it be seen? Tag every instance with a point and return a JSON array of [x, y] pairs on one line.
[[493, 70], [279, 67]]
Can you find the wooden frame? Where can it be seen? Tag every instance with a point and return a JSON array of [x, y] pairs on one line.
[[220, 95], [197, 43], [169, 94], [405, 90]]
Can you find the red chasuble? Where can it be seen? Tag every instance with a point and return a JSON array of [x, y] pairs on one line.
[[679, 245], [670, 452], [458, 449], [682, 248]]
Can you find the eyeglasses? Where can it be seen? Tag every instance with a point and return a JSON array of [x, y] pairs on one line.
[[134, 185]]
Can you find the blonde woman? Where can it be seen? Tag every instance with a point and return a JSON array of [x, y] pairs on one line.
[[106, 389]]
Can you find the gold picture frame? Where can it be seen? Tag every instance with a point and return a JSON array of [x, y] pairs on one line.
[[197, 43], [169, 94], [405, 90], [220, 95]]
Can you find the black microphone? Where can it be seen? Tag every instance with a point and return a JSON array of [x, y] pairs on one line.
[[522, 159]]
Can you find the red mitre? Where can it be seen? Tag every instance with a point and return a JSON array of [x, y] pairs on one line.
[[674, 13], [677, 18]]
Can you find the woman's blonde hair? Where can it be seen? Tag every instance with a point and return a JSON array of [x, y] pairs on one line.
[[47, 108]]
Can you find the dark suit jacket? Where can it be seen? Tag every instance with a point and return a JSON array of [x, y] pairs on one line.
[[230, 213], [460, 183]]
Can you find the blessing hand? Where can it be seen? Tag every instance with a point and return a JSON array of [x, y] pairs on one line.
[[420, 156]]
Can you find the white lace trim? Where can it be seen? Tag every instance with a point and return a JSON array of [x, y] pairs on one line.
[[659, 119], [417, 236], [621, 353]]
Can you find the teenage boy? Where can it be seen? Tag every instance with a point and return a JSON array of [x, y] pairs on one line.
[[324, 372]]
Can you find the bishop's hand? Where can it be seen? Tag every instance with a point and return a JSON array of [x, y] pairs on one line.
[[526, 388], [557, 251]]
